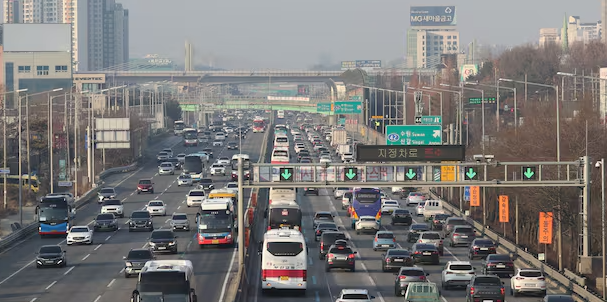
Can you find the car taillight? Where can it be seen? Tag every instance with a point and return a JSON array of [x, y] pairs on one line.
[[375, 239], [435, 221], [305, 275], [263, 275], [419, 241], [510, 264], [490, 264], [502, 291], [402, 277], [492, 248], [322, 245], [388, 260], [455, 234], [417, 252], [269, 228], [435, 252], [440, 242], [351, 256], [393, 239], [449, 273], [520, 278], [541, 279], [475, 247], [318, 232], [422, 277], [471, 290], [330, 256]]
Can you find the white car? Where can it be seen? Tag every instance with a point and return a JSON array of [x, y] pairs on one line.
[[185, 180], [114, 206], [366, 224], [419, 210], [298, 147], [325, 159], [389, 205], [224, 161], [169, 151], [339, 192], [414, 198], [181, 157], [232, 186], [228, 129], [156, 207], [217, 169], [166, 169], [457, 273], [217, 143], [79, 234], [528, 280], [220, 136], [354, 295], [195, 197]]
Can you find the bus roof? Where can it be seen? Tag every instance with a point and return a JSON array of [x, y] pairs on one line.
[[286, 235], [281, 148], [222, 191], [190, 129], [243, 156], [168, 265], [215, 205]]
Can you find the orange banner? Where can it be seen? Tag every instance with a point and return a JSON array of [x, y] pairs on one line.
[[475, 196], [504, 211], [545, 231]]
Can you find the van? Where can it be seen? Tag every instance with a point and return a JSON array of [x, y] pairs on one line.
[[433, 207]]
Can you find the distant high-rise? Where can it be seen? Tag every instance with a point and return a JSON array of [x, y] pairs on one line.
[[42, 11], [604, 20], [432, 34], [13, 11]]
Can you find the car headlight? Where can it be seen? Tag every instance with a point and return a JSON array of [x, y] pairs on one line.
[[229, 236], [171, 243], [152, 244], [128, 264]]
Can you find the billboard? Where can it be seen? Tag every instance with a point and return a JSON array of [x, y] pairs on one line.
[[345, 65], [432, 16], [97, 78], [112, 133], [603, 96], [467, 70], [37, 37], [289, 98]]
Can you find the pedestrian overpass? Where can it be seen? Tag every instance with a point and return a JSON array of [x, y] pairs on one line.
[[247, 103]]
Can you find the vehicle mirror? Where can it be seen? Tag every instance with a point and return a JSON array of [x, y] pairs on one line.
[[176, 236], [355, 252], [123, 257], [65, 252], [427, 274], [372, 297]]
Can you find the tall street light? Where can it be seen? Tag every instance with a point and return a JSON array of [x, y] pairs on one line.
[[601, 165], [52, 135], [4, 156], [482, 109], [567, 74], [20, 159], [498, 100], [558, 111], [460, 109], [440, 93]]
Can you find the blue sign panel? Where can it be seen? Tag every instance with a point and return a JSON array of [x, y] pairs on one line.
[[433, 16], [467, 193]]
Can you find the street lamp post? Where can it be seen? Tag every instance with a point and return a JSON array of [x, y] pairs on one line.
[[440, 93], [567, 74], [460, 109], [498, 88], [20, 136], [482, 109], [52, 135], [4, 156], [601, 165]]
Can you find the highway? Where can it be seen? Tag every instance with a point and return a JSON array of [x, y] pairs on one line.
[[95, 273]]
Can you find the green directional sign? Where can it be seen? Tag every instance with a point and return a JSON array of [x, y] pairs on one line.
[[348, 107], [470, 173], [477, 101], [529, 173], [411, 174], [350, 174], [429, 120], [341, 121], [414, 135], [323, 107], [286, 174], [189, 107], [355, 97]]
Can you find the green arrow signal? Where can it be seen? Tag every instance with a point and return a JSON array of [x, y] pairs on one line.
[[470, 173], [529, 173], [410, 174], [286, 174], [350, 173]]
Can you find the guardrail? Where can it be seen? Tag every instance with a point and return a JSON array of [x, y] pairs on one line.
[[520, 254], [26, 231]]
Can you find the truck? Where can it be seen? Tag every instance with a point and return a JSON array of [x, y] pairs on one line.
[[339, 137], [485, 288], [344, 149]]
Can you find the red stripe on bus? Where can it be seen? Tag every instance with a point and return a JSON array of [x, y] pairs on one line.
[[274, 273]]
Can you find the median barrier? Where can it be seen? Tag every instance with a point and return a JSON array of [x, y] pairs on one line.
[[20, 234], [520, 254]]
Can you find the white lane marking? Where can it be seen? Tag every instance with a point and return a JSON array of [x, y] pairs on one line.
[[97, 247], [111, 282], [108, 238], [50, 285], [18, 271], [179, 207], [33, 299], [69, 270], [167, 221], [98, 298], [121, 271], [86, 257], [381, 298]]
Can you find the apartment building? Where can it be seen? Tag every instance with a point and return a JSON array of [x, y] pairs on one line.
[[13, 11]]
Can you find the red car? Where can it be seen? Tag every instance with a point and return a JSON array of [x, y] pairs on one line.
[[247, 175], [145, 186]]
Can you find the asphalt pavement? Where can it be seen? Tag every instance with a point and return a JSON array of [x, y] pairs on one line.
[[95, 272]]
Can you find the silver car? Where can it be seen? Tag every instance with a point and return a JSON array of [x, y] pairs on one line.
[[106, 193], [166, 168], [462, 235], [180, 221], [339, 192], [432, 238]]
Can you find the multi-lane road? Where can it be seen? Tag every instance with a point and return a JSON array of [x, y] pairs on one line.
[[95, 273]]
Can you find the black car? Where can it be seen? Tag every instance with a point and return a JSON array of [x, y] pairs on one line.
[[438, 220], [163, 241], [135, 260], [322, 216], [340, 257], [327, 239], [305, 160], [208, 151], [395, 259], [141, 220], [303, 154], [407, 275], [425, 253], [206, 184], [175, 161], [401, 216], [324, 227], [480, 248], [232, 146], [310, 191], [487, 288], [416, 229], [50, 255], [498, 264], [105, 222]]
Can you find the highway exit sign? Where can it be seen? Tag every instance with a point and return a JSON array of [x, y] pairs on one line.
[[414, 135]]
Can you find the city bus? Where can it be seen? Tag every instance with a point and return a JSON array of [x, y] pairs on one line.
[[259, 125], [284, 261], [178, 127], [192, 165], [215, 221], [280, 155], [190, 137], [280, 130], [30, 181], [281, 141], [54, 215], [246, 161], [365, 202], [284, 214], [280, 114], [166, 280]]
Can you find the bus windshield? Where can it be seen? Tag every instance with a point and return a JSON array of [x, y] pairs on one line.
[[364, 197], [284, 248], [258, 123], [46, 214], [190, 135], [282, 153], [284, 217]]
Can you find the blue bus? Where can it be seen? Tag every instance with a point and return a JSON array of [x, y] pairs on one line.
[[54, 215], [365, 202]]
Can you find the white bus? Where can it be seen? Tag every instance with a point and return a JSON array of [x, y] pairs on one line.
[[281, 141], [280, 114], [284, 260], [166, 280], [280, 155], [190, 137], [178, 127]]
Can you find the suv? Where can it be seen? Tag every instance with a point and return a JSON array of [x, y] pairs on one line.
[[135, 261], [407, 275], [485, 288], [106, 221], [498, 264], [145, 185], [310, 191], [113, 206], [163, 241], [462, 234], [141, 220], [327, 239], [340, 257], [457, 273]]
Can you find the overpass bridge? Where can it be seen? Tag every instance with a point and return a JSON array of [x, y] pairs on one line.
[[247, 103]]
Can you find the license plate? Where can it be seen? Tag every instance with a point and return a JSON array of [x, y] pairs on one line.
[[464, 236], [214, 241], [162, 248], [427, 254], [487, 300], [460, 275], [500, 266], [385, 245], [284, 278], [341, 258], [484, 248], [399, 260], [529, 284], [49, 261]]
